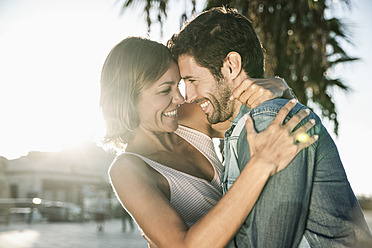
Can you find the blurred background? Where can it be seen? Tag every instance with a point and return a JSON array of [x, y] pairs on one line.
[[51, 55]]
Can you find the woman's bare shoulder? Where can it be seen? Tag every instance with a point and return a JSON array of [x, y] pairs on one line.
[[125, 161], [130, 168]]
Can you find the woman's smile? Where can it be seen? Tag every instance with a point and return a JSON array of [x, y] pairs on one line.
[[172, 113]]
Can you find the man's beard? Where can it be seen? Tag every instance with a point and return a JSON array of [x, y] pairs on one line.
[[223, 107]]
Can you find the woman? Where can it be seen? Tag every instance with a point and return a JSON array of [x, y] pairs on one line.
[[168, 178]]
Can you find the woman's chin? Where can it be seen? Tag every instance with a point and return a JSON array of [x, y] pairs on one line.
[[170, 123], [172, 127]]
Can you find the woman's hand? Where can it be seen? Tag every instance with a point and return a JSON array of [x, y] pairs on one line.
[[277, 145], [254, 91]]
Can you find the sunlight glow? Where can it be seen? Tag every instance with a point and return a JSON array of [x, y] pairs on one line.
[[25, 238], [302, 137], [51, 65]]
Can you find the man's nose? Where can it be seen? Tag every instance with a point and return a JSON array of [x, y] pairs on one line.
[[190, 93]]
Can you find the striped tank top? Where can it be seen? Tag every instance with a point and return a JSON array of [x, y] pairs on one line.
[[191, 196]]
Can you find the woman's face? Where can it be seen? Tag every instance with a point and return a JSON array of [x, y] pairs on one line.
[[157, 105]]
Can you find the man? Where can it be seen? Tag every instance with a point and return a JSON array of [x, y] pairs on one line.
[[310, 203]]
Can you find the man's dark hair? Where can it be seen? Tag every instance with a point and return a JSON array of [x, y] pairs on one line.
[[213, 34]]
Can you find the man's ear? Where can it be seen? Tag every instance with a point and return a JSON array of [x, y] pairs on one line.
[[232, 65]]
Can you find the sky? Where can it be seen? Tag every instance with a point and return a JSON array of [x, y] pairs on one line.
[[52, 52]]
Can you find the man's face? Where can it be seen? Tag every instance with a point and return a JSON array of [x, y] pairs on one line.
[[202, 88]]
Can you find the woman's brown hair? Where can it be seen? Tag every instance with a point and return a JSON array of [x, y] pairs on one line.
[[132, 65]]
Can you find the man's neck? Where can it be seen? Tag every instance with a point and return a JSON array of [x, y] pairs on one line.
[[218, 130], [237, 106], [235, 83]]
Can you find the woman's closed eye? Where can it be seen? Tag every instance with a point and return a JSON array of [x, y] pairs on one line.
[[165, 91]]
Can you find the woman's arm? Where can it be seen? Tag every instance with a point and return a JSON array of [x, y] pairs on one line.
[[191, 115], [254, 91], [251, 92], [140, 189]]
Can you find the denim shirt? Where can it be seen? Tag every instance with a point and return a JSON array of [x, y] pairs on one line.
[[231, 169], [308, 204], [236, 136]]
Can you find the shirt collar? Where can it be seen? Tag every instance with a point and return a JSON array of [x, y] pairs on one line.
[[243, 110]]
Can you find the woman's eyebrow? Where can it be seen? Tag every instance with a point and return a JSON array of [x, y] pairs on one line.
[[164, 83]]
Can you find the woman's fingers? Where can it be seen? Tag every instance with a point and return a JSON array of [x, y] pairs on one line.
[[283, 112], [302, 138], [254, 91], [296, 119], [277, 145], [243, 88], [304, 128], [246, 96], [259, 97]]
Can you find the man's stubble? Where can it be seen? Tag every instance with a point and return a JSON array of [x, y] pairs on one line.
[[223, 107]]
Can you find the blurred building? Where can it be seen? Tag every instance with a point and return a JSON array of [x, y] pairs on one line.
[[4, 186], [71, 176]]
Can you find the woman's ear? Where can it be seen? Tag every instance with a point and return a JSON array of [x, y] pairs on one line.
[[232, 65]]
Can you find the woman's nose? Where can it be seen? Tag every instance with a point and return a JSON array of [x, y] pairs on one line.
[[178, 98]]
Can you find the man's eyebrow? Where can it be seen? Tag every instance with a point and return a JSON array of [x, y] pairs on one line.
[[187, 77]]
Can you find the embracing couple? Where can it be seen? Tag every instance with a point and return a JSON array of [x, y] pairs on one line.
[[282, 183]]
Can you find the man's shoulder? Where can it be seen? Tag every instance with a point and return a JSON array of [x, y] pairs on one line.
[[273, 105], [263, 115], [268, 110]]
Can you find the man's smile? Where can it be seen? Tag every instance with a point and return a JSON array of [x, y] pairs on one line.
[[205, 105]]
